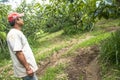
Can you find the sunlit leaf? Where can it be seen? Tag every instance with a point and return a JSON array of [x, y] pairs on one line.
[[2, 35]]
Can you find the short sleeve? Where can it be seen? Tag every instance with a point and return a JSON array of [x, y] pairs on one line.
[[15, 42]]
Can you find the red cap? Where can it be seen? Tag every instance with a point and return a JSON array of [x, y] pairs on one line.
[[14, 15]]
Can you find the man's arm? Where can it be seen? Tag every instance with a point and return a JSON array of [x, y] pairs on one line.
[[23, 61]]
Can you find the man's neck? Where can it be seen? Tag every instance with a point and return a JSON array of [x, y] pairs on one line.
[[17, 27]]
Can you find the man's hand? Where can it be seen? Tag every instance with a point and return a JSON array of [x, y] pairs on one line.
[[29, 71]]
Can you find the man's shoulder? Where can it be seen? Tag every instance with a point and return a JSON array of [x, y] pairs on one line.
[[14, 32]]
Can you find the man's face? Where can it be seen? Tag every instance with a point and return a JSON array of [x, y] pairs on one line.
[[19, 21]]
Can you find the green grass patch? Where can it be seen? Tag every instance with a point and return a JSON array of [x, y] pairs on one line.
[[95, 40], [48, 53], [5, 62], [103, 23], [7, 73], [44, 42], [110, 49], [90, 42], [51, 36], [110, 73], [97, 32], [56, 44], [52, 72]]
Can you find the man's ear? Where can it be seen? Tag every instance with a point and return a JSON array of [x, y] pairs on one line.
[[17, 19]]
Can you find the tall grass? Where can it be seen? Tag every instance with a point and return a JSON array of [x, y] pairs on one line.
[[110, 57], [110, 49]]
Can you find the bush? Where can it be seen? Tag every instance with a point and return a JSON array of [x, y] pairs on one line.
[[110, 49]]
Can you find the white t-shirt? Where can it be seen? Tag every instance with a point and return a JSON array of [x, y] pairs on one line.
[[18, 42]]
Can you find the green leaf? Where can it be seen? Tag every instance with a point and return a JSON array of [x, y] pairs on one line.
[[2, 35]]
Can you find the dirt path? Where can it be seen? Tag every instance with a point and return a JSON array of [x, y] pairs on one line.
[[85, 66]]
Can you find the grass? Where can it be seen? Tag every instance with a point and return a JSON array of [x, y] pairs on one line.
[[110, 58], [44, 42], [51, 36], [94, 40], [110, 73], [7, 73], [90, 42], [48, 53], [63, 41], [5, 62], [52, 72], [103, 23]]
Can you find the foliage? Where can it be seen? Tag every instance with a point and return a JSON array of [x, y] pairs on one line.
[[71, 16], [80, 15], [32, 20], [110, 49], [108, 9], [4, 9]]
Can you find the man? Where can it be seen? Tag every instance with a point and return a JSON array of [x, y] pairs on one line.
[[22, 56]]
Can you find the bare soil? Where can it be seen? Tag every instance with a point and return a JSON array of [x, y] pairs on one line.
[[85, 65]]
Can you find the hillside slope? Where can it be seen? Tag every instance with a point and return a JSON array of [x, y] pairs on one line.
[[67, 57]]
